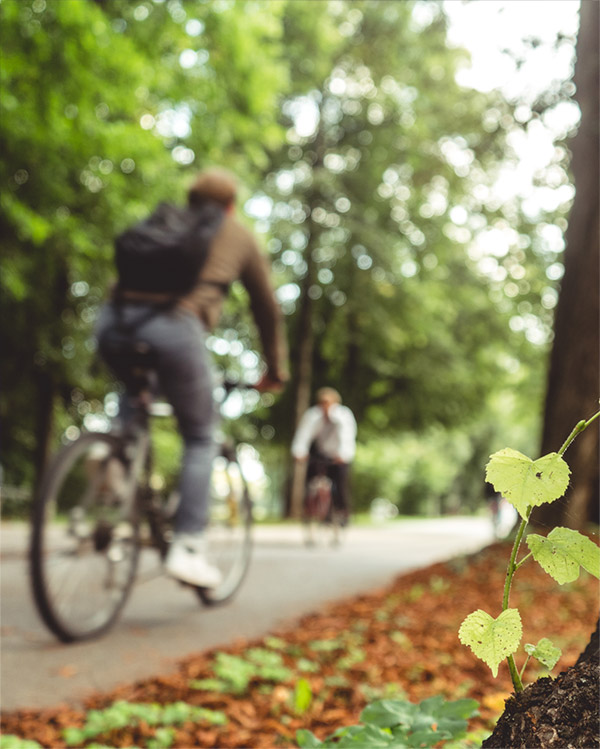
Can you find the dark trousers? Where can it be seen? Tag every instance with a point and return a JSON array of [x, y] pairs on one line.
[[183, 368], [339, 473]]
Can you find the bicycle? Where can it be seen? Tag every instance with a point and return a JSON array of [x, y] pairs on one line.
[[321, 520], [98, 506]]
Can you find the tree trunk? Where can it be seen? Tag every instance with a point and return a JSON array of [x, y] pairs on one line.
[[572, 391], [303, 379], [44, 386], [561, 712], [303, 363]]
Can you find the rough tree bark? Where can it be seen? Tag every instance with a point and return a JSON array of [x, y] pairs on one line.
[[302, 382], [303, 351], [572, 392], [45, 390], [563, 712]]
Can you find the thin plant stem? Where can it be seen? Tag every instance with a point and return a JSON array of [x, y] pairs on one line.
[[578, 428], [522, 562], [514, 674], [512, 567], [524, 665]]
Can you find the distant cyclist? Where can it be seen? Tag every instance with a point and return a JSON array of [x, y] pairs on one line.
[[168, 309], [326, 437]]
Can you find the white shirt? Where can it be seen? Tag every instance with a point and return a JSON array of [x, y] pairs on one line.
[[335, 434]]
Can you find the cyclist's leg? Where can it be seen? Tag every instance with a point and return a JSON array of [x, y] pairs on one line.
[[186, 381], [312, 470], [339, 475], [177, 338], [116, 332]]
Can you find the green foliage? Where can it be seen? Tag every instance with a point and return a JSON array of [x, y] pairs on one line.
[[563, 552], [401, 724], [101, 118], [167, 449], [416, 472], [123, 714], [163, 738], [545, 652], [8, 741], [368, 241], [302, 697], [527, 483], [492, 640], [107, 108], [235, 673]]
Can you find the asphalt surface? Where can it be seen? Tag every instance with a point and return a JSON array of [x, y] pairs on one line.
[[163, 622]]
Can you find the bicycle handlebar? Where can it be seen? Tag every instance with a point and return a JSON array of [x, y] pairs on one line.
[[230, 385]]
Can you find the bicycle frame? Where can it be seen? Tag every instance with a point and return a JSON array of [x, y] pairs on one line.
[[86, 519]]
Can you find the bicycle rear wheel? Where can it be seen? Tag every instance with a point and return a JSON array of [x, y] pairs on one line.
[[317, 513], [84, 540], [229, 538]]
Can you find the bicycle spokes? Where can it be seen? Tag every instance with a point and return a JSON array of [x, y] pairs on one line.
[[85, 539]]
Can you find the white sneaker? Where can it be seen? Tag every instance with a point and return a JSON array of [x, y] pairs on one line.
[[186, 561]]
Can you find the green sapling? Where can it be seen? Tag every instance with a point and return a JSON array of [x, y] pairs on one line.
[[526, 484]]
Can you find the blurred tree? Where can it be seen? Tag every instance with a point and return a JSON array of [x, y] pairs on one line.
[[66, 136], [406, 280], [386, 180], [573, 381], [104, 106]]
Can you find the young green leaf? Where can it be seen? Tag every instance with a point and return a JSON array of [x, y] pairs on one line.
[[163, 738], [302, 696], [8, 741], [306, 739], [389, 713], [525, 482], [563, 552], [545, 652], [490, 639], [210, 685]]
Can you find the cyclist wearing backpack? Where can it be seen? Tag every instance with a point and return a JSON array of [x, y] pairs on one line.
[[174, 272], [326, 437]]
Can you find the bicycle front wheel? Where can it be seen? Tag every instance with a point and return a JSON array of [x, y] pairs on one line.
[[229, 538], [84, 540]]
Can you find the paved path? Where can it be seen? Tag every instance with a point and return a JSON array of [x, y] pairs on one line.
[[163, 622]]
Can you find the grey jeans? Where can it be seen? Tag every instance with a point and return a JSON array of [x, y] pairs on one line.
[[177, 339]]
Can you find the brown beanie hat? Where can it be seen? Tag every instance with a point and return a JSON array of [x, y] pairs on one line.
[[213, 184]]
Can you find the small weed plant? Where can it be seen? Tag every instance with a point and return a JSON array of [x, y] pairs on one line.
[[399, 724], [161, 718], [526, 484]]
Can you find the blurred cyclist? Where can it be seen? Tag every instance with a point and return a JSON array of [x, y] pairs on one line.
[[173, 327], [326, 437]]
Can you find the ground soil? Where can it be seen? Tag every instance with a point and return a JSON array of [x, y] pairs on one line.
[[400, 640]]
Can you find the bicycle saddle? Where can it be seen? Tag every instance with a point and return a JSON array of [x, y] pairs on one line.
[[137, 362]]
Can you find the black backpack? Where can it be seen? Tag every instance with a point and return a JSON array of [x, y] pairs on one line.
[[165, 252]]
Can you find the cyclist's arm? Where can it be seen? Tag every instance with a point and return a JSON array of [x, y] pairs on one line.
[[269, 384], [266, 312], [347, 435], [305, 434]]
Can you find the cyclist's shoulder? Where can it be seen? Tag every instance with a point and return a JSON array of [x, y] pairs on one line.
[[342, 412], [233, 229]]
